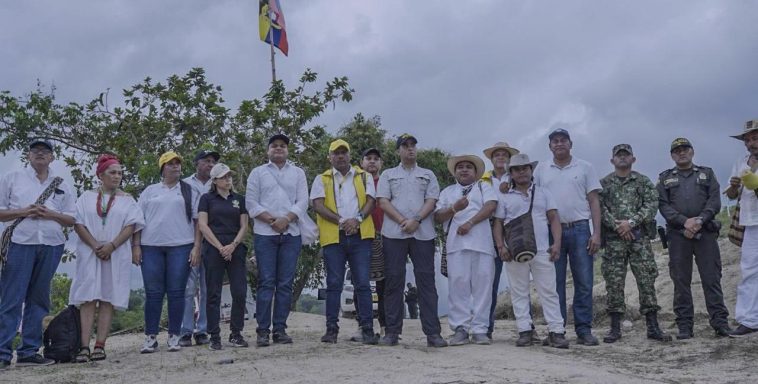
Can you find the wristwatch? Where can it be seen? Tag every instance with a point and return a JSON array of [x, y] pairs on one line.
[[360, 217], [632, 223], [417, 218]]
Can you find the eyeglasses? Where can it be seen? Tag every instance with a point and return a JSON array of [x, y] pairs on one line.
[[40, 151]]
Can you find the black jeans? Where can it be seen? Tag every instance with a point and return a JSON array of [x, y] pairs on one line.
[[215, 266], [708, 260], [421, 252]]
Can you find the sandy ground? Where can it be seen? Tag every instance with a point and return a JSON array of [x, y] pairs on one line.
[[634, 359]]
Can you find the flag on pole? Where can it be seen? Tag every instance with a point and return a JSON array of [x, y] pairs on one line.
[[271, 24]]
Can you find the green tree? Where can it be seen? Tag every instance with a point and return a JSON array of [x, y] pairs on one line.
[[183, 114]]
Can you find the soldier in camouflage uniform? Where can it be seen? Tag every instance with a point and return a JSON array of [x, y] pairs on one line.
[[629, 202]]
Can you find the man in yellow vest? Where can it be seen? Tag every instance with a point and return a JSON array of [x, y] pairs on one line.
[[343, 198]]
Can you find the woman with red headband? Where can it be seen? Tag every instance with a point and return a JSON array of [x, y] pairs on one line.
[[106, 218]]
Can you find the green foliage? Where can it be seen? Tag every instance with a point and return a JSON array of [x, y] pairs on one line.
[[59, 288], [134, 316], [310, 304]]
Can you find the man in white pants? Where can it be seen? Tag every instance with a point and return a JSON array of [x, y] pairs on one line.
[[464, 208], [746, 311], [517, 201]]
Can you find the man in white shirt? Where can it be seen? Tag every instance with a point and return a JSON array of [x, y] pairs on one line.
[[200, 182], [464, 209], [34, 251], [575, 186], [277, 196], [407, 194], [746, 311], [526, 198], [343, 198]]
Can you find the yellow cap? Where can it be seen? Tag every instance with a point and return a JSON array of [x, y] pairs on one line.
[[337, 144], [166, 157], [750, 180]]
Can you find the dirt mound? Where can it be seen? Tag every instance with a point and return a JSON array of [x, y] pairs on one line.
[[730, 261]]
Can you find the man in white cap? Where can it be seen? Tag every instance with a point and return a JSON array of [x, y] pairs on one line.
[[746, 310], [526, 198], [464, 209]]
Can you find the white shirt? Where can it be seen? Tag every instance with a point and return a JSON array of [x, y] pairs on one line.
[[344, 191], [479, 239], [166, 223], [569, 186], [514, 204], [278, 192], [748, 199], [20, 189], [199, 186]]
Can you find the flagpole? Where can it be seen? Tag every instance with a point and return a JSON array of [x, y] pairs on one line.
[[271, 38]]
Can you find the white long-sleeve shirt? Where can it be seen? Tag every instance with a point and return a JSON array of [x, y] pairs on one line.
[[277, 191]]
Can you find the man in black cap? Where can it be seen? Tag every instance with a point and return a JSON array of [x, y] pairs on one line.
[[276, 198], [408, 194], [36, 205], [689, 199], [200, 181]]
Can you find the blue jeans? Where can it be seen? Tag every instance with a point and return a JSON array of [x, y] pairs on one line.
[[574, 252], [26, 280], [357, 252], [277, 262], [164, 272], [195, 282]]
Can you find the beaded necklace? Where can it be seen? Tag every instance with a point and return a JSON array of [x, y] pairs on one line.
[[103, 209]]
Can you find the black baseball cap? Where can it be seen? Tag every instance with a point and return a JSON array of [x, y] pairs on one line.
[[279, 136], [404, 138], [42, 141], [202, 154], [559, 131], [372, 150]]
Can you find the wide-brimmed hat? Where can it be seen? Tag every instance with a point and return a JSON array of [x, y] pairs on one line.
[[166, 157], [500, 145], [521, 159], [473, 159], [220, 170], [750, 126]]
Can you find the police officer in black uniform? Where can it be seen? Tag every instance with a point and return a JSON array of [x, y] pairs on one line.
[[689, 200]]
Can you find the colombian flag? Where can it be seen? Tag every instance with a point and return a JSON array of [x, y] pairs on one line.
[[271, 24]]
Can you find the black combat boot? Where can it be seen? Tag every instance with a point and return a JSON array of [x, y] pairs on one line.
[[654, 332], [615, 333]]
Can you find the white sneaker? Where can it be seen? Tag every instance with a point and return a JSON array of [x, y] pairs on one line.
[[150, 345], [173, 343]]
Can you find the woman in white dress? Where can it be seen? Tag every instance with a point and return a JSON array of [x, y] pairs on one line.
[[106, 218]]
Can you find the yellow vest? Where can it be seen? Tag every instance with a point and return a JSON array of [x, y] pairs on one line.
[[328, 231]]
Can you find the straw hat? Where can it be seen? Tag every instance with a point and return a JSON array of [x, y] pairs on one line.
[[521, 159], [500, 145], [473, 159]]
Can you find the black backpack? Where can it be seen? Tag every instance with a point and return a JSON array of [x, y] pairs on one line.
[[62, 337]]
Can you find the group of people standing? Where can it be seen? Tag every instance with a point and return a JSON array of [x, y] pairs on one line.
[[535, 219]]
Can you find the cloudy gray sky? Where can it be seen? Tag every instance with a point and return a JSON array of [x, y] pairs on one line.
[[458, 74]]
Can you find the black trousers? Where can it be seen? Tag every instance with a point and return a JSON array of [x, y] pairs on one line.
[[421, 253], [708, 260], [215, 266]]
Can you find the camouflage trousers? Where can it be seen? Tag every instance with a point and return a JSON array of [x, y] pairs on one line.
[[639, 255]]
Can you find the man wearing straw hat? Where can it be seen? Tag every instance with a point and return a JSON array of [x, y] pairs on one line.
[[499, 154], [746, 310], [525, 197], [464, 209]]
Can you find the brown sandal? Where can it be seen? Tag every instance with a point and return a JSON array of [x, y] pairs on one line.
[[98, 353], [83, 356]]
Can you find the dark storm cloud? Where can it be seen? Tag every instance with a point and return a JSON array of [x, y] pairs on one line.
[[459, 75]]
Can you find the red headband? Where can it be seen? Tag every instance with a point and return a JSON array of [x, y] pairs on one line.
[[105, 161]]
